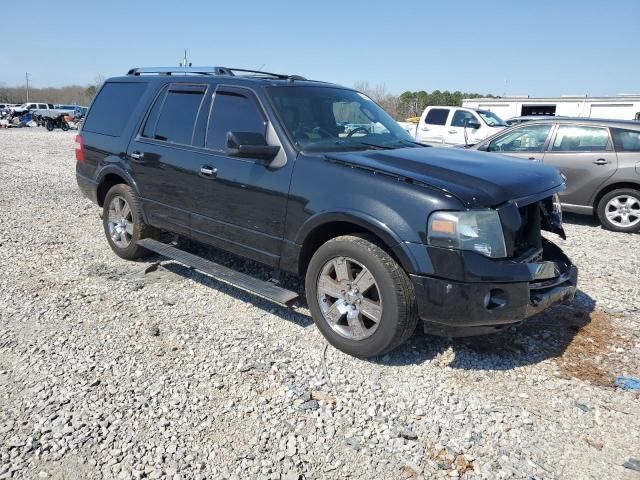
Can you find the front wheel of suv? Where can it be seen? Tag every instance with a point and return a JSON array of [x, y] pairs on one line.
[[619, 210], [360, 298], [123, 222]]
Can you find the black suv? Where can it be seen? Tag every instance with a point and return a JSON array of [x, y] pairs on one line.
[[317, 180]]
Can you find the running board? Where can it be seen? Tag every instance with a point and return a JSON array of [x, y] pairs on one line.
[[219, 272]]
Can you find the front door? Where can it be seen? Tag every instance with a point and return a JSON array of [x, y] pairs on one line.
[[584, 154], [239, 204], [527, 141], [458, 133]]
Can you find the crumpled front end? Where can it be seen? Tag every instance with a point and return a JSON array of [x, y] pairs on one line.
[[470, 294]]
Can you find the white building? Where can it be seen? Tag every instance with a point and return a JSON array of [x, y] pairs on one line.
[[620, 107]]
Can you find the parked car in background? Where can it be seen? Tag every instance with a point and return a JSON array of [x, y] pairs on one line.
[[449, 126], [31, 106], [317, 180], [599, 158]]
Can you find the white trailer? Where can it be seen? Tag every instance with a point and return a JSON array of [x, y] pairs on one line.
[[620, 107]]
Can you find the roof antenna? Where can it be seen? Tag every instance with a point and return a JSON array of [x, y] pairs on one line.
[[184, 62]]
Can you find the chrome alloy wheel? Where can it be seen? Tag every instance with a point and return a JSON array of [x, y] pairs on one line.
[[349, 298], [623, 211], [120, 222]]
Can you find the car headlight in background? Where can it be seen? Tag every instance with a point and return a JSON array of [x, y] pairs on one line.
[[475, 230]]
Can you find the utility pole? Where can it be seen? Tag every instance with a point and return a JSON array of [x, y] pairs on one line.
[[27, 77]]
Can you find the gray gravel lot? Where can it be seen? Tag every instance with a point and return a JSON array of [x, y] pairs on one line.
[[110, 372]]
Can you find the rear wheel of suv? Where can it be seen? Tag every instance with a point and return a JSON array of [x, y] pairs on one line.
[[123, 224], [619, 210], [360, 298]]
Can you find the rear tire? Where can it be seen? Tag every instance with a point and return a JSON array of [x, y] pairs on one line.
[[619, 210], [64, 126], [123, 223], [344, 314]]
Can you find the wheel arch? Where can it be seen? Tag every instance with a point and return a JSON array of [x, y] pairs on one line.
[[110, 176], [322, 228], [613, 186]]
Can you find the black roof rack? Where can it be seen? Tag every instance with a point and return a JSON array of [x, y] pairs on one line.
[[209, 71]]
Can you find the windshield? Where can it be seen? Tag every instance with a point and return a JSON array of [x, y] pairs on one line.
[[491, 119], [331, 119]]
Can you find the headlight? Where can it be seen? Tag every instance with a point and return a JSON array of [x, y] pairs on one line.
[[477, 230]]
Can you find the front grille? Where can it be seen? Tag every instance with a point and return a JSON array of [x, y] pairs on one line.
[[528, 236]]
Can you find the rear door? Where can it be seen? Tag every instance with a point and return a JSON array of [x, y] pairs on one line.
[[162, 156], [585, 155], [433, 129], [527, 141]]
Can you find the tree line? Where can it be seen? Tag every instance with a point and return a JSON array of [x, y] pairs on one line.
[[412, 104], [67, 95]]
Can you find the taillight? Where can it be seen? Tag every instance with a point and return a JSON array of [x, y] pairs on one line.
[[79, 148]]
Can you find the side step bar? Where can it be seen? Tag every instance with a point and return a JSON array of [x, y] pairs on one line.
[[219, 272]]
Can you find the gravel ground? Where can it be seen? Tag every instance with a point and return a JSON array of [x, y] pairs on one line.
[[115, 369]]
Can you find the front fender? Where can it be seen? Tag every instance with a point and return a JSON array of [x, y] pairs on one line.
[[390, 239]]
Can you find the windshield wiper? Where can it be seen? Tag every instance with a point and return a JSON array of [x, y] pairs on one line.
[[374, 145], [415, 143]]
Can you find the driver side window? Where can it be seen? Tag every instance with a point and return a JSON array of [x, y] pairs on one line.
[[462, 117], [527, 139]]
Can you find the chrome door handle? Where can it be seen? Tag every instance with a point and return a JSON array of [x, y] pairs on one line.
[[136, 155], [601, 161], [453, 131], [208, 171], [425, 129]]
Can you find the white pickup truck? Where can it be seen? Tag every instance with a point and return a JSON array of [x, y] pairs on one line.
[[449, 126], [31, 106]]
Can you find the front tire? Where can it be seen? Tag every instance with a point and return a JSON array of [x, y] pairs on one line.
[[360, 298], [123, 223], [619, 210]]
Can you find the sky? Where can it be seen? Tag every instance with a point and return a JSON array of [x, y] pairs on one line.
[[531, 47]]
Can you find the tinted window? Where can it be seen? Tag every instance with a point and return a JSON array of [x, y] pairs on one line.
[[461, 118], [526, 139], [113, 106], [626, 140], [437, 116], [232, 112], [42, 106], [573, 138], [177, 116]]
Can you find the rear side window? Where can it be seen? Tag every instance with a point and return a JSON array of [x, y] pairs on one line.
[[575, 138], [437, 116], [233, 112], [112, 108], [174, 114], [626, 140]]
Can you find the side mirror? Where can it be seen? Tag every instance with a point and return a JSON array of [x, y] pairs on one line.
[[250, 145], [485, 147], [472, 124]]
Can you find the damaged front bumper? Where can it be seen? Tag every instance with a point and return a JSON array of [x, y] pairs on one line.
[[484, 295]]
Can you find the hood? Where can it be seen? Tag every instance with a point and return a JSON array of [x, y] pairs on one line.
[[477, 179]]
